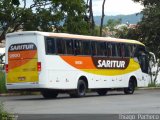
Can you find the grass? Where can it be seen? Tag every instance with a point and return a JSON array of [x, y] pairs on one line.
[[4, 115], [152, 84], [158, 85], [2, 82]]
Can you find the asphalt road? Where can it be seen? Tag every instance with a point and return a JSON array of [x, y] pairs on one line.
[[142, 101]]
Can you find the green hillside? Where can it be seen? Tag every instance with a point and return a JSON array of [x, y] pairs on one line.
[[131, 19]]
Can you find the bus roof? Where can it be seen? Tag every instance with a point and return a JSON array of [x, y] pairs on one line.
[[83, 37]]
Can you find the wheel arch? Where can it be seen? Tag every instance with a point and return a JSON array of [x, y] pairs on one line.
[[134, 79], [84, 78]]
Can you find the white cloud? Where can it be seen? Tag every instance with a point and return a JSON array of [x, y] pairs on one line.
[[116, 7]]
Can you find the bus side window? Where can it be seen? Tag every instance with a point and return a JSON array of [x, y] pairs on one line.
[[94, 48], [122, 50], [60, 43], [127, 50], [109, 50], [133, 47], [119, 50], [86, 48], [139, 50], [103, 48], [106, 49], [69, 46], [50, 46], [100, 48], [78, 47], [113, 50]]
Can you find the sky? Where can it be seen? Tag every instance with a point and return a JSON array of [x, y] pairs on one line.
[[116, 7]]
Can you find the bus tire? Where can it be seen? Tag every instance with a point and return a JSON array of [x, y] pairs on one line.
[[131, 87], [80, 91], [49, 94], [102, 92]]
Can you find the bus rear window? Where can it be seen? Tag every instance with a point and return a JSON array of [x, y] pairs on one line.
[[50, 46]]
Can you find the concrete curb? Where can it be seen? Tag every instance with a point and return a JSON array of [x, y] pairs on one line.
[[19, 94], [148, 88], [9, 94]]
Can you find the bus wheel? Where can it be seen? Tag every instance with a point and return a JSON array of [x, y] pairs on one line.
[[49, 94], [102, 92], [80, 91], [131, 88]]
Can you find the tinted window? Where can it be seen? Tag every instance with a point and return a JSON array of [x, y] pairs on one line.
[[138, 50], [132, 50], [122, 50], [119, 50], [78, 47], [68, 46], [101, 48], [94, 47], [86, 48], [50, 46], [60, 46], [109, 49], [114, 50], [127, 50]]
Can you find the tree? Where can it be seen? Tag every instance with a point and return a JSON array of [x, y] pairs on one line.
[[38, 16], [111, 24], [147, 2], [128, 33], [65, 16], [110, 27], [150, 27], [102, 18], [74, 14], [154, 69], [91, 18], [16, 2]]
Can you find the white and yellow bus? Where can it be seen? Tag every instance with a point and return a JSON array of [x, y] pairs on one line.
[[59, 62]]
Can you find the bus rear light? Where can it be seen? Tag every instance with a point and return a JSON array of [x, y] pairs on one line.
[[6, 68], [39, 66]]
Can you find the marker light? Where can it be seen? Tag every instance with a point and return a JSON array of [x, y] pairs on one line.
[[39, 66], [6, 67]]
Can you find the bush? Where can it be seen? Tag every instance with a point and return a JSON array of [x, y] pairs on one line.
[[158, 85], [152, 84], [4, 115], [2, 82]]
